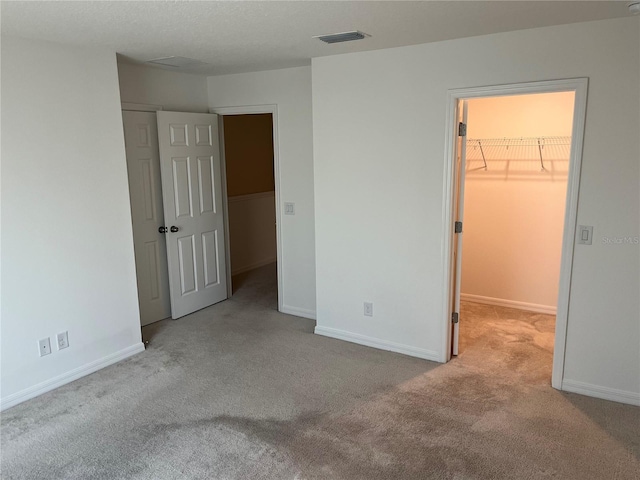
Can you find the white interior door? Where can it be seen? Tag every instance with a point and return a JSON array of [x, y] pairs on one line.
[[461, 157], [192, 197], [143, 166]]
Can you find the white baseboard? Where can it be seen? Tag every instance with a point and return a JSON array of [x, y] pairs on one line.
[[298, 312], [377, 343], [606, 393], [530, 307], [246, 268], [76, 373]]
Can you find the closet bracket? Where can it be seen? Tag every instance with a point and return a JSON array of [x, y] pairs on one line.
[[482, 152], [540, 147]]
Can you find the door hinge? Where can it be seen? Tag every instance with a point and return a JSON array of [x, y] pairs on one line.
[[455, 317], [458, 227], [462, 129]]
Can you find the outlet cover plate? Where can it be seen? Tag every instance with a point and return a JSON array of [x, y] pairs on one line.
[[44, 347]]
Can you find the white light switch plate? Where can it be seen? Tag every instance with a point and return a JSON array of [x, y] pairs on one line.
[[63, 340], [289, 208], [368, 309], [585, 235]]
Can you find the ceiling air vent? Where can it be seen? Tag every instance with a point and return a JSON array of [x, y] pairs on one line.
[[177, 62], [342, 37]]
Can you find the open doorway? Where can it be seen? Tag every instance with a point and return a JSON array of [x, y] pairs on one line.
[[515, 182], [514, 172], [248, 145]]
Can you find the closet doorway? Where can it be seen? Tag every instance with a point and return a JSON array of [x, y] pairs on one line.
[[251, 191], [248, 151], [514, 176]]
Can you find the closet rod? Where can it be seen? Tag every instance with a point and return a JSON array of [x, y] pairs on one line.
[[521, 141]]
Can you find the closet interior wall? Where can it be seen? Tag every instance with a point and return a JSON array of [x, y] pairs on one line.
[[248, 144], [517, 164]]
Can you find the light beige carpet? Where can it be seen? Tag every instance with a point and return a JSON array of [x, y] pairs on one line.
[[240, 391]]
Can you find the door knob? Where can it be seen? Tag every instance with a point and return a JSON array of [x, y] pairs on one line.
[[173, 229], [162, 229]]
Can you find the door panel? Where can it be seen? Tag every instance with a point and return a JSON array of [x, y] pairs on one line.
[[154, 270], [192, 189], [210, 252], [179, 135], [203, 135], [187, 256], [205, 182], [182, 186], [149, 195], [143, 167]]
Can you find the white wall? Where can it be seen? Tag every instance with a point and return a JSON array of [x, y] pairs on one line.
[[67, 250], [175, 91], [513, 211], [290, 90], [252, 231], [379, 129]]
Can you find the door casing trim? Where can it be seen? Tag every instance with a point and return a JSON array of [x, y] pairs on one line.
[[248, 110], [580, 87]]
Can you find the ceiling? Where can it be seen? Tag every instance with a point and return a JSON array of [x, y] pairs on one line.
[[242, 36]]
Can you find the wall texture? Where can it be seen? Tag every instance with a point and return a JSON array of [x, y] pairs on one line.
[[175, 91], [248, 151], [513, 211], [290, 90], [66, 223], [379, 129], [252, 231]]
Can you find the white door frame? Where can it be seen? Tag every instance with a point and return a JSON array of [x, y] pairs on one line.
[[577, 85], [248, 110]]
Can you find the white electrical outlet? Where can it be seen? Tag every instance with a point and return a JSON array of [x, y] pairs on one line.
[[368, 309], [44, 347], [63, 340]]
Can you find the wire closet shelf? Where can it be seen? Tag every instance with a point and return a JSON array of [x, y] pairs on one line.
[[540, 149]]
